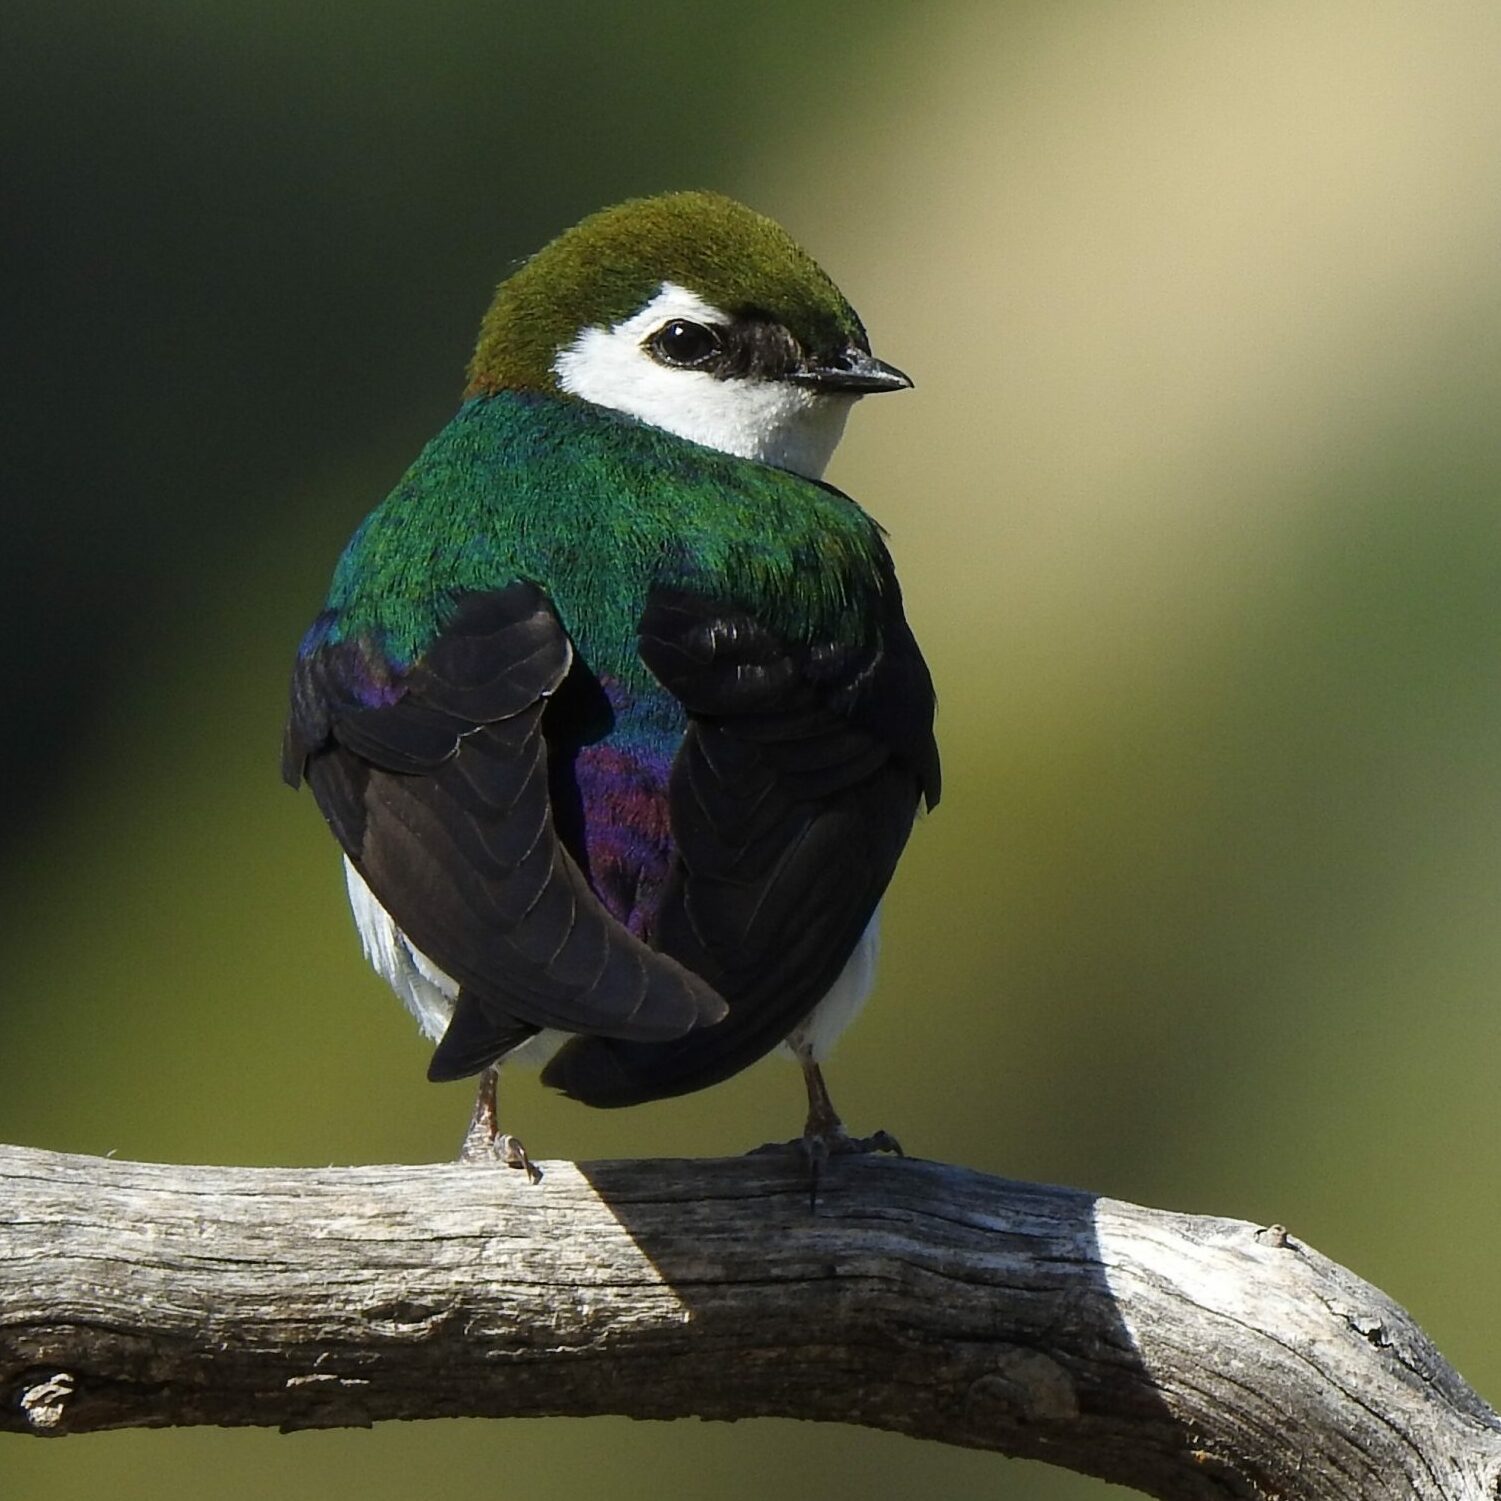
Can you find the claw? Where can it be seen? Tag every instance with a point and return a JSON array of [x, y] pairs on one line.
[[501, 1150], [485, 1144], [824, 1136]]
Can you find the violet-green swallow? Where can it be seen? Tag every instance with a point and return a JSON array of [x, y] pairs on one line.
[[612, 706]]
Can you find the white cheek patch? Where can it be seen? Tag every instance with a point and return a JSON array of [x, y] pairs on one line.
[[770, 421]]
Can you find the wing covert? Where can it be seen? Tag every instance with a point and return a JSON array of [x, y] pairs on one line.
[[792, 798], [436, 785]]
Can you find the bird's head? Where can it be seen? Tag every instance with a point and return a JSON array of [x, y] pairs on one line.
[[695, 314]]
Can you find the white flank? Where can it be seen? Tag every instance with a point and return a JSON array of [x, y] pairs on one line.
[[771, 421], [815, 1037], [423, 988], [429, 994]]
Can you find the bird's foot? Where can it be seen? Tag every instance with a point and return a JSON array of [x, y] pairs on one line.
[[824, 1135], [485, 1144], [843, 1144], [817, 1146], [483, 1148]]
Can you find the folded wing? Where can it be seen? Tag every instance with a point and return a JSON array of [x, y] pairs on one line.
[[436, 785], [791, 799]]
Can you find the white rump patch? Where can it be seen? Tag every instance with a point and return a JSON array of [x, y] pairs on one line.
[[770, 421]]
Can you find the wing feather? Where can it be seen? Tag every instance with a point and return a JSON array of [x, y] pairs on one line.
[[438, 792], [791, 800]]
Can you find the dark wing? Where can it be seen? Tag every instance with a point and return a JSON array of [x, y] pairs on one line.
[[791, 798], [437, 788]]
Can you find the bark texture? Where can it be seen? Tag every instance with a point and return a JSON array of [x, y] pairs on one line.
[[1185, 1356]]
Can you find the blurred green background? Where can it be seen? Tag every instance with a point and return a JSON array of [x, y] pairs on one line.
[[1196, 508]]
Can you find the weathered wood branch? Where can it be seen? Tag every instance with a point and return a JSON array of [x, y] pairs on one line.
[[1189, 1357]]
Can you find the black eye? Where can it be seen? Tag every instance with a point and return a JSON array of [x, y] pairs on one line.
[[684, 344]]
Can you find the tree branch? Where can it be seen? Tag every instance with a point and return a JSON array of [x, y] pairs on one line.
[[1189, 1357]]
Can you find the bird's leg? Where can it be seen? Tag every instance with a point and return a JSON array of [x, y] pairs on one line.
[[479, 1139], [484, 1142], [824, 1134], [823, 1119]]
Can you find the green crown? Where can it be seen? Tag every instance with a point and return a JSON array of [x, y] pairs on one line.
[[611, 264]]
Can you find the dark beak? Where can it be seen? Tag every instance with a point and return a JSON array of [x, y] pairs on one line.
[[852, 372]]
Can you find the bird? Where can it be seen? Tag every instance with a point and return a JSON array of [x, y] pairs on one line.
[[612, 705]]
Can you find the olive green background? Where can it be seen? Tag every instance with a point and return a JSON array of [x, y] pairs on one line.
[[1197, 505]]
